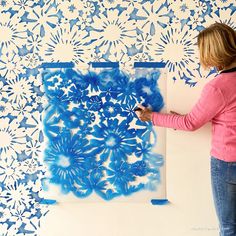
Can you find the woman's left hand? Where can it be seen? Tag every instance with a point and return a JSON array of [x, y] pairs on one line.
[[145, 114]]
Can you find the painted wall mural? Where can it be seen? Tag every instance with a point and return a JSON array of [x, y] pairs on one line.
[[79, 31]]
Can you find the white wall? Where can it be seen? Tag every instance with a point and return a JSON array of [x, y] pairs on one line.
[[190, 211]]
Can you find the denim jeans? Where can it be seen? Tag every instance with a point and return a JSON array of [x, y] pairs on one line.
[[223, 179]]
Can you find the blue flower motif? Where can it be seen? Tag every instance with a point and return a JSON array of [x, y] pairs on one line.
[[115, 140], [145, 130], [120, 175], [77, 118], [128, 111], [143, 149], [67, 157], [85, 185], [127, 93], [94, 103], [111, 109], [109, 92]]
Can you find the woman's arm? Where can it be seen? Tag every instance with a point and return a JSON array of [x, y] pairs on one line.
[[208, 106]]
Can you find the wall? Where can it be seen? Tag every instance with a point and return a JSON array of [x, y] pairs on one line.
[[33, 32]]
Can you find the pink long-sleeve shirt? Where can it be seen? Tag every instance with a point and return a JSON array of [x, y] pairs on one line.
[[216, 104]]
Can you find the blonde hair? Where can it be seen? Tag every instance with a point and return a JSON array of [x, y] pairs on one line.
[[217, 46]]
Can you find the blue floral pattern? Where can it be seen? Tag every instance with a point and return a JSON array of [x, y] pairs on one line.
[[33, 32], [21, 168], [92, 138]]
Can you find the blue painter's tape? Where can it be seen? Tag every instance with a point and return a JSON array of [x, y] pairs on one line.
[[149, 64], [160, 201], [48, 202], [57, 65], [105, 64]]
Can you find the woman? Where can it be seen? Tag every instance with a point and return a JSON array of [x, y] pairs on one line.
[[217, 47]]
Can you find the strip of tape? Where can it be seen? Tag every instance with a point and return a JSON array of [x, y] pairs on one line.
[[160, 201], [57, 65]]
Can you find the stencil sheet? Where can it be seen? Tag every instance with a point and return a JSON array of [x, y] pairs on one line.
[[96, 148]]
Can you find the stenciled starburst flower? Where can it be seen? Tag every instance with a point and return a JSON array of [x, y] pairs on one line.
[[68, 40], [17, 195], [182, 42], [144, 42], [33, 148], [89, 8], [34, 43], [13, 32], [10, 171], [201, 8], [120, 175], [18, 90], [195, 21], [67, 158], [122, 28], [42, 20], [20, 216], [12, 139], [21, 109], [11, 66], [154, 17], [30, 166], [31, 60], [83, 22], [114, 140]]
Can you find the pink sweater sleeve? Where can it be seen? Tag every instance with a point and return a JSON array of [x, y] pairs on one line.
[[208, 106]]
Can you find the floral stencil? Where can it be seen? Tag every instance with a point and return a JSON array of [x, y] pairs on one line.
[[95, 141]]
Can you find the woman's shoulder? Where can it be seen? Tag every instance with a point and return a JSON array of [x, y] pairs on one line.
[[213, 86], [214, 82], [222, 84], [223, 80]]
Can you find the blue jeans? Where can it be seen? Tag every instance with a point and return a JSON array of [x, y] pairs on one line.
[[223, 178]]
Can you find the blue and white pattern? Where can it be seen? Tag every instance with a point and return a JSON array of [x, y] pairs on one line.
[[96, 143], [21, 165], [33, 32]]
